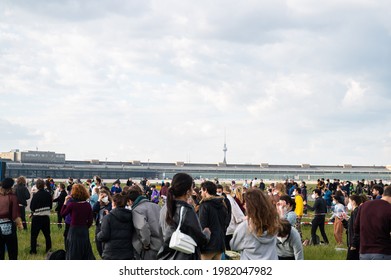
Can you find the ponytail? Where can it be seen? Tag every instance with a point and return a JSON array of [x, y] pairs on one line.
[[181, 183], [171, 207]]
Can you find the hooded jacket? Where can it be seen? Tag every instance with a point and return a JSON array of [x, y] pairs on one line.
[[214, 215], [116, 234], [147, 239], [291, 247], [253, 247]]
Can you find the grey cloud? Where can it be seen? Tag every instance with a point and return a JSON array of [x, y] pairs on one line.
[[13, 135]]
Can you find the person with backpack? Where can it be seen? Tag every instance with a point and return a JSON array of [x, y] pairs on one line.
[[148, 237]]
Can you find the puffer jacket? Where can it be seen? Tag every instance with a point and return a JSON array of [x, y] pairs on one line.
[[213, 215], [190, 226], [116, 234]]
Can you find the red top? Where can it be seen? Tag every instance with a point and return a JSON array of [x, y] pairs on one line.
[[8, 211], [373, 225], [81, 213]]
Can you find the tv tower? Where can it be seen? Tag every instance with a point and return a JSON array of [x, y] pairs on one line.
[[225, 149]]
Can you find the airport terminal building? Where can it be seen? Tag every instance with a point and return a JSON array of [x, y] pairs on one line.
[[40, 164]]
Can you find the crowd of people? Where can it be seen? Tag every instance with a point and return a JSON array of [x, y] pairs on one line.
[[137, 221]]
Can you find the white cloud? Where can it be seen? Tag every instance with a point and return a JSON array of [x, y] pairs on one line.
[[161, 80], [355, 95]]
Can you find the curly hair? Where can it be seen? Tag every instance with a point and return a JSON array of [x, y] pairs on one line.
[[262, 214], [21, 180], [79, 192]]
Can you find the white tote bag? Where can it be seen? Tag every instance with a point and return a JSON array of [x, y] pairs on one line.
[[180, 241]]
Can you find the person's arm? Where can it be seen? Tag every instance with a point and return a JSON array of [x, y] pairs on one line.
[[142, 228], [237, 212], [297, 245], [191, 226], [67, 207], [237, 241], [90, 217], [26, 193], [203, 215], [104, 234], [356, 235], [33, 203], [316, 205], [15, 207]]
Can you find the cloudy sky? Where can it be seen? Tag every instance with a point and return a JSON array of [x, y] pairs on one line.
[[291, 82]]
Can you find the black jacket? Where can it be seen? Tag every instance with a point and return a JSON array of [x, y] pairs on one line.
[[320, 207], [41, 203], [190, 226], [116, 234], [60, 200], [213, 215], [351, 242], [22, 193]]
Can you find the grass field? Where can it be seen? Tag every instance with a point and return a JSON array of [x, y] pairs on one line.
[[321, 252]]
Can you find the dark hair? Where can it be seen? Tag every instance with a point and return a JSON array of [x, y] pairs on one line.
[[98, 180], [8, 183], [387, 191], [62, 186], [289, 201], [210, 187], [220, 187], [133, 193], [120, 199], [356, 198], [298, 190], [318, 192], [378, 188], [285, 228], [180, 185], [40, 184]]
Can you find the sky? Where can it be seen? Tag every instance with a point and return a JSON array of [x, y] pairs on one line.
[[282, 82]]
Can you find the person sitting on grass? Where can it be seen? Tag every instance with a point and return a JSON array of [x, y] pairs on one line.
[[289, 245]]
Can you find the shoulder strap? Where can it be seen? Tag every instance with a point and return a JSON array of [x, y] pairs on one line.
[[180, 218]]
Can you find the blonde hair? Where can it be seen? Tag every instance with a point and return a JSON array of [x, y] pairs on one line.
[[21, 180], [239, 194]]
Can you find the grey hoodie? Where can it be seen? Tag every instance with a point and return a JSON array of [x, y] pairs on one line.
[[148, 238], [252, 247]]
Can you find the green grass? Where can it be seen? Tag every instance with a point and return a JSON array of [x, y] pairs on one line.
[[321, 252], [57, 241]]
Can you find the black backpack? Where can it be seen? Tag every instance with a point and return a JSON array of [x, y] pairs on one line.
[[56, 255]]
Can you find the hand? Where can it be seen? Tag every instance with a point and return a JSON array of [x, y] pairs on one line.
[[207, 231], [68, 197], [304, 202]]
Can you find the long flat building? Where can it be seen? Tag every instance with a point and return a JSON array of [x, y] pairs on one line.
[[155, 170]]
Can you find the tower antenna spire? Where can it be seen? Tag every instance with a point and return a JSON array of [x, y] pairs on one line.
[[225, 148]]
